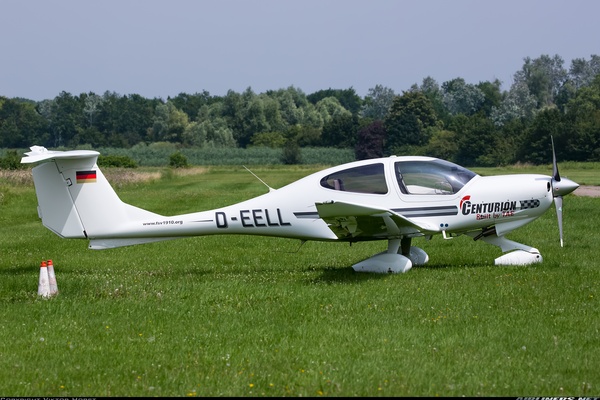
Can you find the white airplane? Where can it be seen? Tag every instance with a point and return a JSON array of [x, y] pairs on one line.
[[394, 199]]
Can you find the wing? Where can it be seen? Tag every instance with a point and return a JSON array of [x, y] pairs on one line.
[[356, 221]]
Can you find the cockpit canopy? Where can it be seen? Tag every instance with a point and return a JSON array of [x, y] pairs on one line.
[[413, 177], [431, 177]]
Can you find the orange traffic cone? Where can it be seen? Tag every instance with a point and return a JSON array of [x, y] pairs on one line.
[[52, 279], [44, 282]]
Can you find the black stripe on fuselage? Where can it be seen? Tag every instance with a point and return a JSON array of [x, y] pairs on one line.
[[427, 211]]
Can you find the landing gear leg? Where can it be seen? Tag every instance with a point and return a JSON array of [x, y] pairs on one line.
[[399, 257], [415, 254]]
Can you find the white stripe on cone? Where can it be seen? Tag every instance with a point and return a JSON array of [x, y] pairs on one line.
[[44, 282], [52, 279]]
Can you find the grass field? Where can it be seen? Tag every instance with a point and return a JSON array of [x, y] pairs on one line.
[[252, 316]]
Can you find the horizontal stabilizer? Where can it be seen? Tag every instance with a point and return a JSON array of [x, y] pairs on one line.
[[39, 153]]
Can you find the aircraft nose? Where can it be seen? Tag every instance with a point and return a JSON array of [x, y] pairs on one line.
[[563, 187]]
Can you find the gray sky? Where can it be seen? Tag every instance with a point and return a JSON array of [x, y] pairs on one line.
[[162, 48]]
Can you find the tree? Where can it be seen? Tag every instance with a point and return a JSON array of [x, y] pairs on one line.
[[292, 102], [92, 104], [340, 131], [269, 139], [512, 138], [537, 145], [136, 117], [212, 129], [583, 118], [406, 124], [377, 103], [65, 117], [477, 138], [443, 144], [107, 117], [191, 103], [544, 76], [231, 111], [431, 89], [347, 98], [254, 119], [492, 95], [291, 107], [518, 103], [20, 124], [126, 120], [460, 97], [330, 107], [211, 133], [370, 141], [291, 150], [169, 123], [272, 113], [582, 72]]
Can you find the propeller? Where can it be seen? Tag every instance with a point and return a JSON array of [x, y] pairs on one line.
[[560, 187]]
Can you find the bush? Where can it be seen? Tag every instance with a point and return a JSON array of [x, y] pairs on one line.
[[274, 140], [178, 160], [11, 160], [291, 153], [116, 161]]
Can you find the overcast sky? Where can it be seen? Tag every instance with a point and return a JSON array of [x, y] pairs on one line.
[[163, 48]]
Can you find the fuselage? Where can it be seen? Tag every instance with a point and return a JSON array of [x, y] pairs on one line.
[[436, 194]]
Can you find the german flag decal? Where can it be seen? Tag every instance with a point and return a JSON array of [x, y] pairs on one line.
[[86, 176]]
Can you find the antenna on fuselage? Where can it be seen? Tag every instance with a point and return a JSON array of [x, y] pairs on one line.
[[263, 182]]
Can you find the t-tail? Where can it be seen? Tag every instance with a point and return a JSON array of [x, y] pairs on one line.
[[74, 198]]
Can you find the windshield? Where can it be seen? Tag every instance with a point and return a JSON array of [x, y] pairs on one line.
[[431, 177]]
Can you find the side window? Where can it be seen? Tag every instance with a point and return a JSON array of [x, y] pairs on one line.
[[365, 179]]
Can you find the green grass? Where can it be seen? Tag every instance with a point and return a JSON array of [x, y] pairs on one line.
[[252, 316]]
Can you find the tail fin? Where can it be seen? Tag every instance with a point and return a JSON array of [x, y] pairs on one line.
[[74, 198]]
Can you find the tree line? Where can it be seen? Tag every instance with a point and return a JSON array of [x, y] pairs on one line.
[[471, 124]]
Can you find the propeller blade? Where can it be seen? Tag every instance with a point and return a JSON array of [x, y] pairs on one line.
[[555, 174], [558, 202], [560, 189]]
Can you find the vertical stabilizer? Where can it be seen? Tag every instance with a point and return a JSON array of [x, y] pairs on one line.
[[74, 198]]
